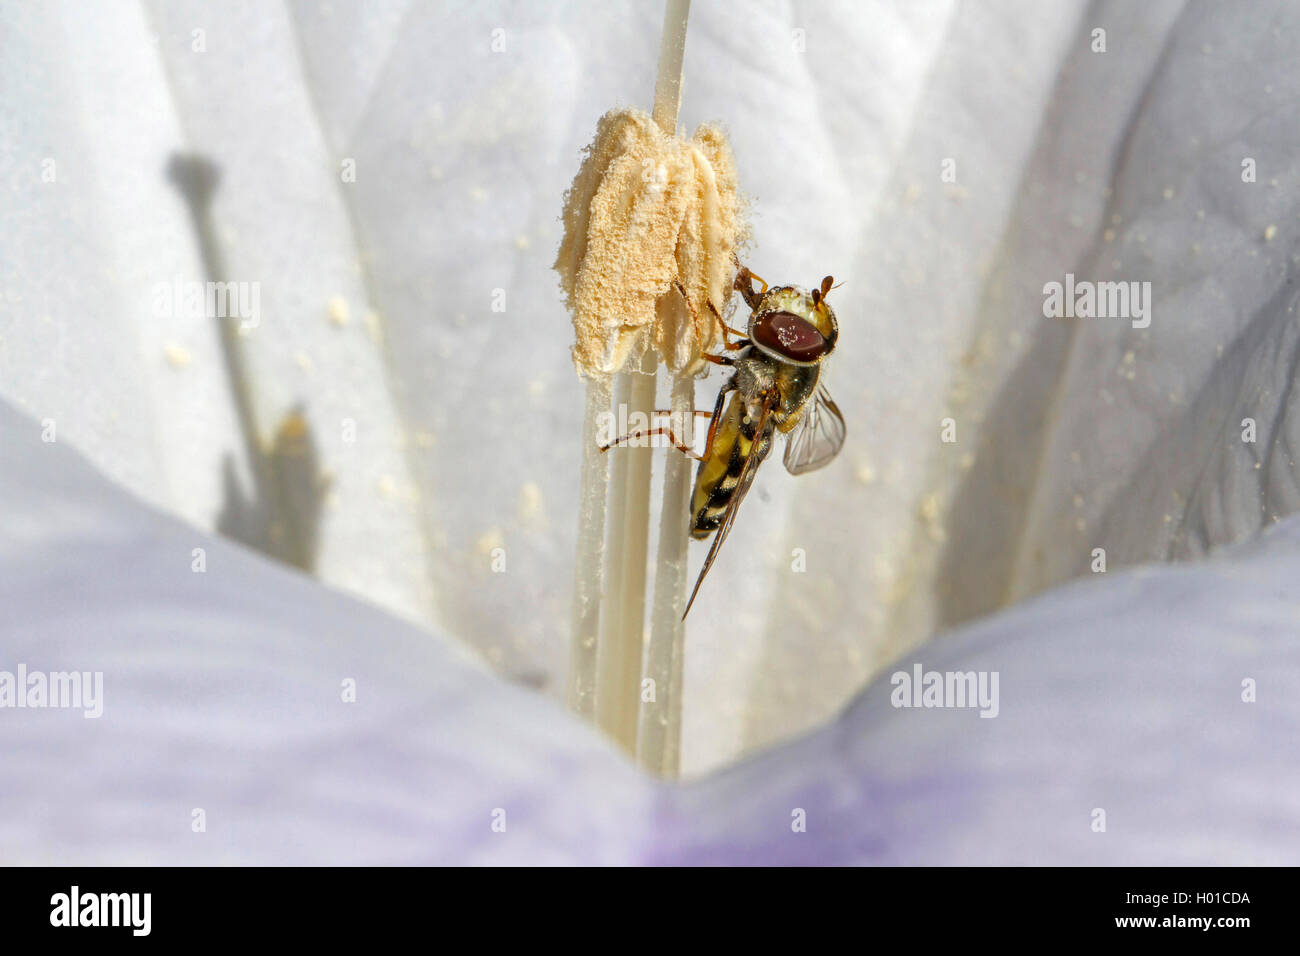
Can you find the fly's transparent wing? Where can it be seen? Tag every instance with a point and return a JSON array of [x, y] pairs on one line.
[[818, 437]]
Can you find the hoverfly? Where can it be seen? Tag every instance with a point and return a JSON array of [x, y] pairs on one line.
[[775, 388]]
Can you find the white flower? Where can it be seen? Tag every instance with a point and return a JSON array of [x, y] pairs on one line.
[[402, 418]]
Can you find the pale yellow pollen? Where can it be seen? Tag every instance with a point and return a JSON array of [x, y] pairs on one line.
[[178, 356], [490, 540], [647, 210], [530, 502], [338, 311]]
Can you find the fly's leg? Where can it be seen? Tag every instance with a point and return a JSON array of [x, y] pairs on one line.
[[744, 285], [715, 415], [646, 433], [726, 342], [741, 339]]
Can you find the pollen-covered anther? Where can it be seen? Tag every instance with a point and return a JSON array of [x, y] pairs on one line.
[[648, 210]]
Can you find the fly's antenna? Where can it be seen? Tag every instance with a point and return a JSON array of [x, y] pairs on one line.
[[819, 295]]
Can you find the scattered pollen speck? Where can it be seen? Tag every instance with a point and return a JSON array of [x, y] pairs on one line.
[[293, 428], [387, 487], [522, 242], [1269, 233], [177, 357], [865, 473], [338, 311], [375, 330], [1169, 192], [304, 361], [929, 514], [967, 461], [530, 502], [478, 194], [490, 539], [1128, 366], [1109, 235]]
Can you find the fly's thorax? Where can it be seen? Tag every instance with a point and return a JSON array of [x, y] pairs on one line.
[[757, 373], [790, 325]]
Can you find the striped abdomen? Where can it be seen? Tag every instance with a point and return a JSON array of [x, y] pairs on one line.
[[718, 478]]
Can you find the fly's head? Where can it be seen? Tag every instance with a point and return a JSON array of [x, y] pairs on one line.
[[794, 326]]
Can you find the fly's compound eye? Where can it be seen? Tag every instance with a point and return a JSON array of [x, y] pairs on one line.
[[788, 336]]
